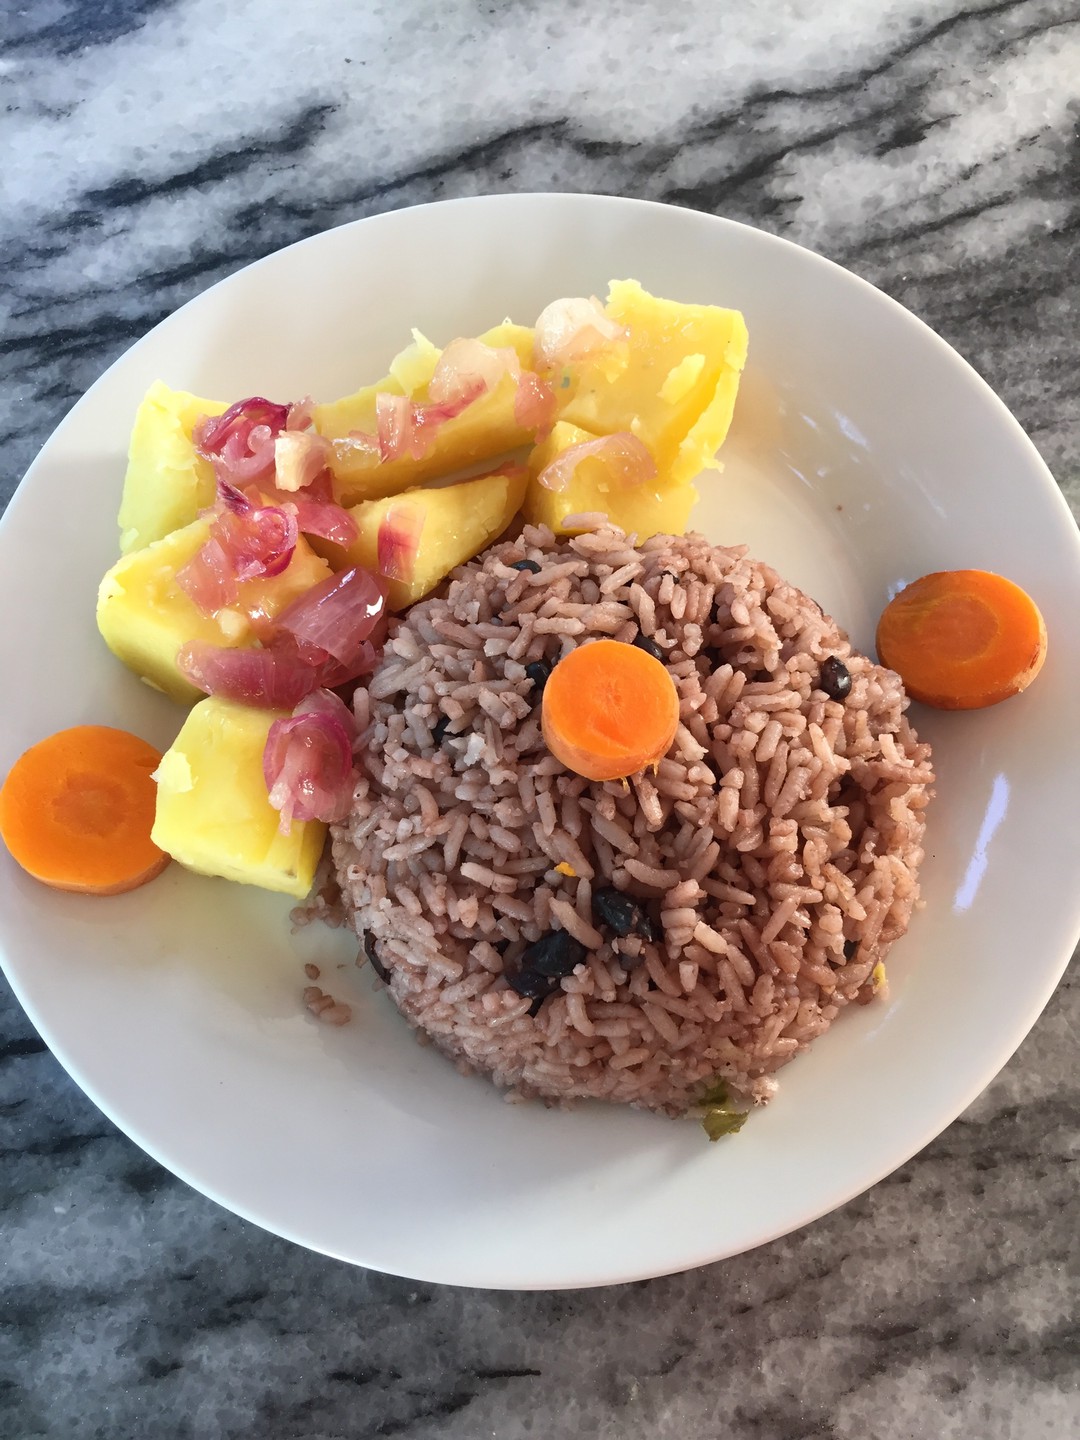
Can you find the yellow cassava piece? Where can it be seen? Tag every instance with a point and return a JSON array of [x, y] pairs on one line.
[[455, 523], [144, 616], [167, 483], [213, 813], [652, 507], [485, 429], [677, 390]]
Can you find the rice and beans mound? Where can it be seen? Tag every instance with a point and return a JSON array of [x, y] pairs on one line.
[[630, 941]]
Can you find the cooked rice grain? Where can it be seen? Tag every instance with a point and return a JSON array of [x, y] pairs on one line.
[[778, 841]]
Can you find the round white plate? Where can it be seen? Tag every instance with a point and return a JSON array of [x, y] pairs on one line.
[[864, 453]]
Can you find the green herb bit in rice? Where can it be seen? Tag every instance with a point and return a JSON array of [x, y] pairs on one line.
[[719, 1116]]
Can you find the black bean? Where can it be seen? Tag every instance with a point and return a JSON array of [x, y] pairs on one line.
[[538, 673], [530, 565], [649, 646], [851, 949], [616, 909], [554, 954], [438, 733], [531, 984], [835, 679], [535, 1007], [650, 929], [630, 962], [621, 913], [373, 956]]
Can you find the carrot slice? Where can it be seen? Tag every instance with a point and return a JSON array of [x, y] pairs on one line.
[[962, 639], [609, 709], [76, 811]]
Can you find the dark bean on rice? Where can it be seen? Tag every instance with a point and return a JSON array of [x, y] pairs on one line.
[[643, 642], [835, 679], [774, 853]]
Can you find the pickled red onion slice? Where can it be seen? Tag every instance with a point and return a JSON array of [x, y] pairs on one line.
[[325, 702], [229, 497], [337, 617], [307, 765], [258, 543], [465, 364], [534, 404], [275, 678], [393, 420], [212, 431], [240, 442], [466, 370], [324, 518], [398, 541], [301, 414], [570, 330], [327, 636], [247, 457], [316, 510], [357, 446], [321, 487], [362, 661], [626, 457], [405, 427], [300, 456], [247, 541], [208, 579]]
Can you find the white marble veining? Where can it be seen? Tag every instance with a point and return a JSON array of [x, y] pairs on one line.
[[151, 147]]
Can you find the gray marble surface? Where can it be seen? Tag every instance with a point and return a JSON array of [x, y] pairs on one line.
[[151, 147]]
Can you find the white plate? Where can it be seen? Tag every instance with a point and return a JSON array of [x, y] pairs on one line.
[[864, 453]]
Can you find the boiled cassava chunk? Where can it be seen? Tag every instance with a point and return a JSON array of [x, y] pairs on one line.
[[650, 507], [485, 429], [213, 812], [412, 368], [454, 523], [144, 616], [167, 483], [676, 391]]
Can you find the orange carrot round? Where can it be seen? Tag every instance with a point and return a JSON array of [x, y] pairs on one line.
[[76, 811], [962, 639], [609, 709]]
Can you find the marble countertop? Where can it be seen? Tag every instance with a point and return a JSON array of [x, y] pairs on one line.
[[154, 146]]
